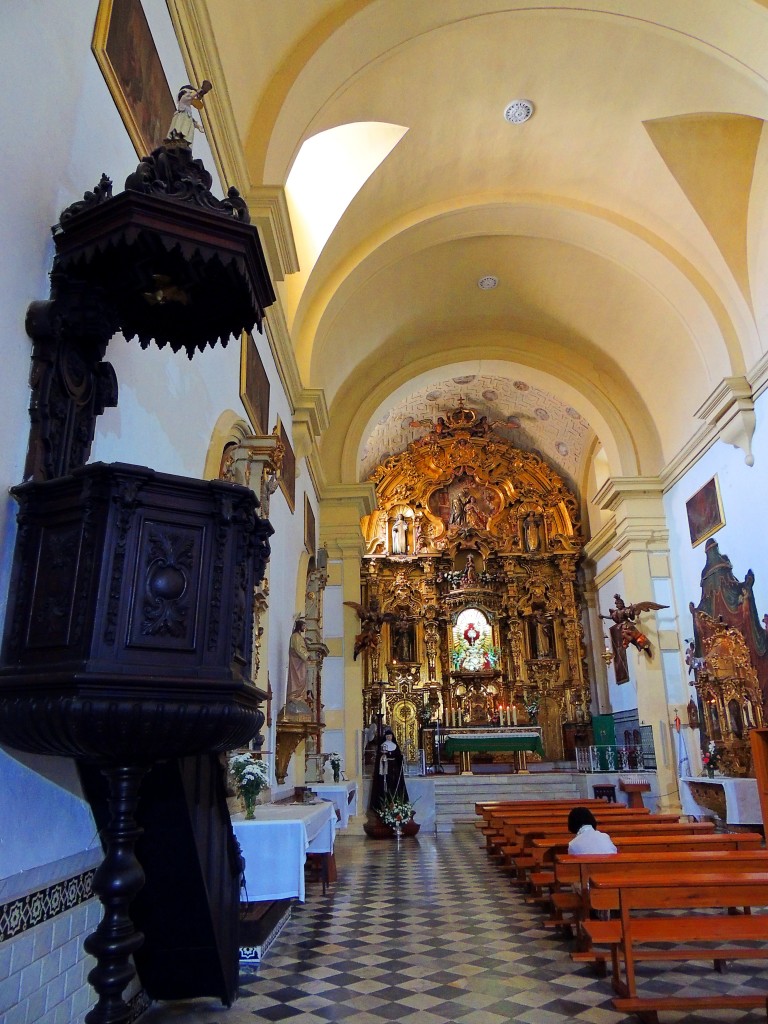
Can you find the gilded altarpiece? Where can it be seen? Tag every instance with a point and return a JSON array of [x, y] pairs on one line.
[[471, 562]]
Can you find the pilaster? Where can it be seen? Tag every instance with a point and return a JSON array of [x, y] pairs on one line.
[[641, 539]]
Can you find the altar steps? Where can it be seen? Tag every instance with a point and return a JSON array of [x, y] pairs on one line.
[[456, 795]]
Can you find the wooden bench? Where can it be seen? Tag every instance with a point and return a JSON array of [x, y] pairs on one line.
[[536, 847], [503, 827], [572, 873], [630, 938]]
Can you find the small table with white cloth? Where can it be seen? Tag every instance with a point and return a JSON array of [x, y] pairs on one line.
[[275, 844], [343, 796]]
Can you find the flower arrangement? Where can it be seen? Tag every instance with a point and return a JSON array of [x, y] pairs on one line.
[[396, 812], [251, 776], [335, 762], [532, 710], [711, 759]]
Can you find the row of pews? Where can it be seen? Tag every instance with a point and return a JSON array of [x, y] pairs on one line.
[[671, 887]]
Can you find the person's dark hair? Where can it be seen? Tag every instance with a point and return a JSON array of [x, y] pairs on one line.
[[579, 817]]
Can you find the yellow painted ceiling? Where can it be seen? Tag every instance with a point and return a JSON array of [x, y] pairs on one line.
[[624, 220]]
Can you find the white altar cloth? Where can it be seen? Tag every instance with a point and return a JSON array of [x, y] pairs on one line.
[[275, 844], [742, 801], [343, 796]]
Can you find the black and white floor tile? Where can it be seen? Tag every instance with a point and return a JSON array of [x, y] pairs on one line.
[[429, 932]]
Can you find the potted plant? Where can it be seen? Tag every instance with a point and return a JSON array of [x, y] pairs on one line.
[[251, 776]]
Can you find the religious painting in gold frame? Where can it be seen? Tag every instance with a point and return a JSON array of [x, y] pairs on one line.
[[310, 528], [705, 512], [254, 384], [126, 53], [287, 477]]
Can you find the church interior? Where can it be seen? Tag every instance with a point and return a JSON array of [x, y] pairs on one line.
[[382, 406]]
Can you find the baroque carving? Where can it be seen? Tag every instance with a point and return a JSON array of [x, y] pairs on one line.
[[480, 575]]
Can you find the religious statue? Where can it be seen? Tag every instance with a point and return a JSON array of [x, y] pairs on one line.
[[388, 780], [402, 639], [543, 635], [458, 509], [184, 124], [531, 530], [371, 621], [298, 659], [400, 535], [624, 615]]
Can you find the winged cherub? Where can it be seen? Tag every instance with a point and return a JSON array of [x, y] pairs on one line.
[[624, 615]]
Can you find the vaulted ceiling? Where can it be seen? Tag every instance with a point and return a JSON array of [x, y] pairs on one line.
[[624, 220]]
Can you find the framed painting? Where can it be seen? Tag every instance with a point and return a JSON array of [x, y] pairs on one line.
[[126, 53], [310, 529], [254, 385], [705, 512], [287, 477]]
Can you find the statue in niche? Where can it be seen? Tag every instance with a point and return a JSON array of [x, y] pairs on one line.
[[400, 535], [458, 508], [298, 662], [543, 635], [402, 639], [532, 533]]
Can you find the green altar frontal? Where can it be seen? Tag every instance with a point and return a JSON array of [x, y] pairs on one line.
[[492, 744]]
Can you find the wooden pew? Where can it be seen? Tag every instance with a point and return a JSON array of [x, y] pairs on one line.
[[495, 818], [503, 826], [669, 892], [571, 874], [536, 846]]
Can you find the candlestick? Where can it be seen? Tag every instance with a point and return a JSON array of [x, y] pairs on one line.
[[514, 714]]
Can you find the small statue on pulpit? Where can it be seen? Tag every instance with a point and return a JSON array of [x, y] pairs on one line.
[[184, 124]]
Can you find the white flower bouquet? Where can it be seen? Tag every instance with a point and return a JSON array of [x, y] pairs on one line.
[[251, 776]]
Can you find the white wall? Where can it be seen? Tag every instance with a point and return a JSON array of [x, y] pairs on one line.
[[744, 492], [61, 130]]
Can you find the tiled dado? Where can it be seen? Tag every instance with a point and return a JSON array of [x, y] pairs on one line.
[[45, 914]]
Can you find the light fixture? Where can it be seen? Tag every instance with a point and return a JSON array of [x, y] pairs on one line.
[[518, 111], [487, 282], [607, 654]]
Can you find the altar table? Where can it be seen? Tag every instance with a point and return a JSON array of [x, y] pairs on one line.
[[343, 796], [479, 741], [742, 801], [275, 844]]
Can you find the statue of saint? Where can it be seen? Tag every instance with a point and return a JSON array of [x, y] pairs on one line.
[[184, 124], [532, 533], [298, 659], [400, 535]]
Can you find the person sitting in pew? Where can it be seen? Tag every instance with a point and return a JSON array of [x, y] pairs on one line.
[[586, 837]]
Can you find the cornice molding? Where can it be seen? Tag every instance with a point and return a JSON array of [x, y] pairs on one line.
[[730, 410], [268, 208], [602, 542]]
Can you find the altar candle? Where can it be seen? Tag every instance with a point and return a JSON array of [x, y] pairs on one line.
[[514, 714], [460, 722]]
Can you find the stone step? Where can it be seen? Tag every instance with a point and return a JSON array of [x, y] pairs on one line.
[[456, 796]]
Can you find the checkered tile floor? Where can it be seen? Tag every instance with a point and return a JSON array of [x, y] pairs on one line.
[[430, 933]]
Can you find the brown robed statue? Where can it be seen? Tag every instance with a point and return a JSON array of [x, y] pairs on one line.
[[624, 616]]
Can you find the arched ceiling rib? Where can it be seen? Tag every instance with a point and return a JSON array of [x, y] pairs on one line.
[[611, 263]]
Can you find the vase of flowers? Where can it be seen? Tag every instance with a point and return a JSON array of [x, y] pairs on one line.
[[335, 762], [251, 776], [711, 759], [397, 814]]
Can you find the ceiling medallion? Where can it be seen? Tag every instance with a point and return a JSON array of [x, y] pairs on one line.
[[487, 282], [518, 111]]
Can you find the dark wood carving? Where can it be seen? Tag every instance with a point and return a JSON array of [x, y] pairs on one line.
[[129, 624], [163, 261]]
